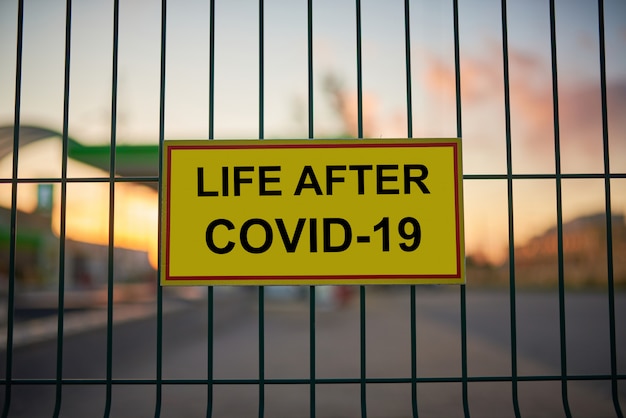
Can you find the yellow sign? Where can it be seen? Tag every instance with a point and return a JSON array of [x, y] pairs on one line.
[[269, 212]]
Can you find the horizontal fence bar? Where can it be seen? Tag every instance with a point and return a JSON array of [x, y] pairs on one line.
[[578, 176], [543, 176], [322, 381], [32, 180]]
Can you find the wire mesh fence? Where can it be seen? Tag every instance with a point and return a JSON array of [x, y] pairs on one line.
[[571, 277]]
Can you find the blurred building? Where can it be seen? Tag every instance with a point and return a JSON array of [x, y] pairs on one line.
[[37, 257], [584, 253], [86, 261], [585, 258]]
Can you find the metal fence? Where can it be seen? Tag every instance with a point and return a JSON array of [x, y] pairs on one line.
[[413, 378]]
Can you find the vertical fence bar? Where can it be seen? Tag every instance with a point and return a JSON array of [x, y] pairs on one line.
[[414, 409], [112, 170], [360, 136], [362, 352], [310, 63], [261, 351], [608, 211], [210, 341], [559, 209], [210, 293], [211, 68], [359, 72], [407, 54], [60, 320], [159, 294], [509, 170], [312, 363], [13, 235], [261, 70], [459, 133], [261, 288], [312, 340], [409, 118], [464, 380], [63, 207], [63, 214], [159, 349]]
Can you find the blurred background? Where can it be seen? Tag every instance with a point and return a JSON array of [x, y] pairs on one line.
[[237, 114], [236, 107]]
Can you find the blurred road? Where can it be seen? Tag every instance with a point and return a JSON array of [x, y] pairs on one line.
[[185, 348]]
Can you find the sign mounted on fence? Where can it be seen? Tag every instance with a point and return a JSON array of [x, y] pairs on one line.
[[309, 212]]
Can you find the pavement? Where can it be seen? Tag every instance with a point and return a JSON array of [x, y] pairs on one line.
[[286, 347], [36, 320]]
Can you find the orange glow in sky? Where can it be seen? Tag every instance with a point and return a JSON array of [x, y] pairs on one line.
[[87, 218]]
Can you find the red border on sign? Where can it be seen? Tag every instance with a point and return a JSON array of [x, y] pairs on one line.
[[312, 144]]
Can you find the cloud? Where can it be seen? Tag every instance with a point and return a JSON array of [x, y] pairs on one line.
[[344, 103], [532, 107]]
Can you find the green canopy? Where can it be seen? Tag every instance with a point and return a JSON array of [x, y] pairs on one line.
[[130, 160]]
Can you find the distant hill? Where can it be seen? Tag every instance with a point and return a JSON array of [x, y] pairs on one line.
[[584, 256]]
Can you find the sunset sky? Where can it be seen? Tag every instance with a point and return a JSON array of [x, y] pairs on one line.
[[286, 102]]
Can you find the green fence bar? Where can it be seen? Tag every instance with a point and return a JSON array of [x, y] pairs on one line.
[[210, 292], [310, 76], [158, 383], [559, 210], [312, 354], [362, 291], [211, 68], [509, 170], [210, 342], [13, 221], [262, 380], [459, 133], [112, 171], [63, 209], [409, 118], [413, 325], [261, 288], [312, 298], [608, 211]]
